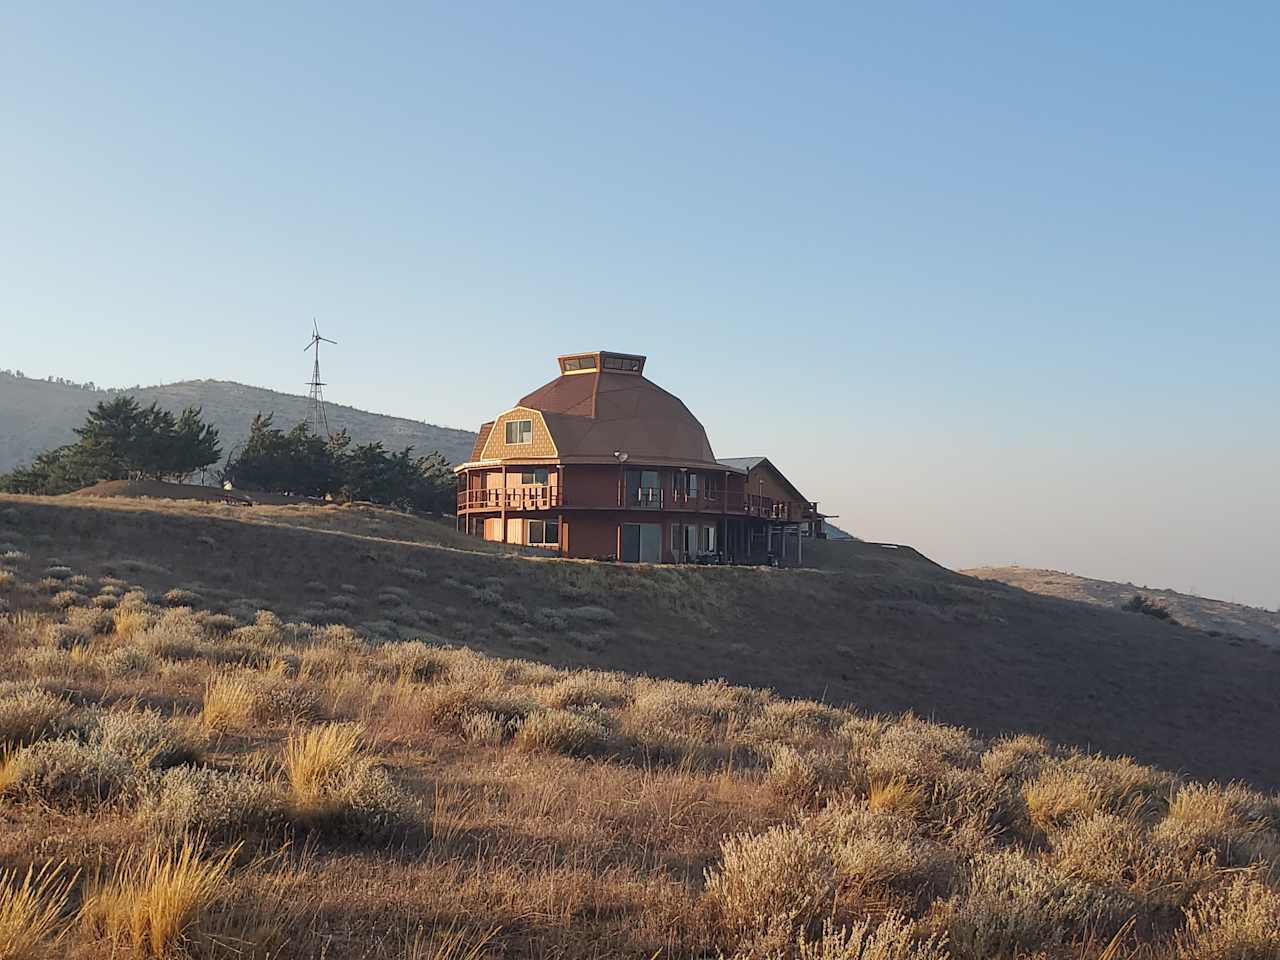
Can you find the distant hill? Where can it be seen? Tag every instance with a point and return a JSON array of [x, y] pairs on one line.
[[36, 415], [1202, 613]]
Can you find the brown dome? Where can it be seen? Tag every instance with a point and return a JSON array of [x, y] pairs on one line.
[[599, 409]]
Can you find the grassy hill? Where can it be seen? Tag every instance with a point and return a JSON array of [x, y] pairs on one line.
[[1214, 616], [188, 774], [36, 415], [885, 629]]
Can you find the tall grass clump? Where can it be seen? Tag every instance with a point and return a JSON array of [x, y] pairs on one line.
[[154, 904], [32, 904], [333, 782]]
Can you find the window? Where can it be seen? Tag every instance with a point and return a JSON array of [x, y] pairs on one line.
[[578, 363], [682, 481], [519, 431], [622, 363], [708, 540], [543, 533], [537, 475]]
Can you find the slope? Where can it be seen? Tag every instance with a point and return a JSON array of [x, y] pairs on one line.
[[1213, 616], [887, 631]]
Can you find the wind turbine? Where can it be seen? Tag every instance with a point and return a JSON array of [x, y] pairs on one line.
[[317, 419]]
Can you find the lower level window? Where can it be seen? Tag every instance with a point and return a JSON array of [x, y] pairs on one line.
[[543, 532]]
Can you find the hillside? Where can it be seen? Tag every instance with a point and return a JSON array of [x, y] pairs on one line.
[[1213, 616], [885, 629], [36, 415], [185, 773]]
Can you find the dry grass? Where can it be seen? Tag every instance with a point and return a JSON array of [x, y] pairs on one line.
[[32, 905], [155, 902], [420, 799]]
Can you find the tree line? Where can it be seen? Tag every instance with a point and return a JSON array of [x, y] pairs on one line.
[[122, 440]]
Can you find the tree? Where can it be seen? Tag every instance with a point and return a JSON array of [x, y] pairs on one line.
[[122, 440], [300, 463]]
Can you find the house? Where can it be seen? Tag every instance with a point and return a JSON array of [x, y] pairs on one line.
[[603, 463]]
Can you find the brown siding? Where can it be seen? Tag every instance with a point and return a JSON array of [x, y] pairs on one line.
[[591, 485], [772, 487]]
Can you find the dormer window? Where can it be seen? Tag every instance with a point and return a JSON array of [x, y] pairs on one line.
[[519, 431]]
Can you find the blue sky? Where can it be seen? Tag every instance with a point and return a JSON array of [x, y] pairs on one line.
[[998, 281]]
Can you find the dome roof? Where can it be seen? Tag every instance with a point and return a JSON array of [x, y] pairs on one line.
[[602, 403]]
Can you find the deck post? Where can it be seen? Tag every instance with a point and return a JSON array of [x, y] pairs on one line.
[[503, 495]]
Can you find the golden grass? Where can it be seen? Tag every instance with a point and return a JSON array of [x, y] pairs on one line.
[[32, 905], [897, 796], [155, 902], [317, 762], [514, 809], [230, 701]]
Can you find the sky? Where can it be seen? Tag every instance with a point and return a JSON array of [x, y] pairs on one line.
[[995, 280]]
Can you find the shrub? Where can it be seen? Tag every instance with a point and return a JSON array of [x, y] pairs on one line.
[[176, 635], [145, 739], [154, 905], [65, 599], [1084, 784], [106, 601], [414, 661], [1231, 822], [31, 908], [1109, 849], [129, 662], [66, 774], [796, 720], [219, 623], [213, 803], [28, 714], [562, 731], [178, 597], [873, 851], [1011, 903], [891, 939], [583, 688], [58, 572], [923, 753], [1152, 608], [63, 636], [93, 622], [783, 876], [1015, 758], [1239, 922], [589, 614]]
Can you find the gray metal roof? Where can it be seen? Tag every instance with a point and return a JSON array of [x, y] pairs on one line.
[[740, 463]]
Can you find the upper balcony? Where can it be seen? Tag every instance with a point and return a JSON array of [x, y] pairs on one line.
[[657, 498]]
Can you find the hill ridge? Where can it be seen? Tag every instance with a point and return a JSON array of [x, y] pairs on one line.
[[1202, 613], [36, 415]]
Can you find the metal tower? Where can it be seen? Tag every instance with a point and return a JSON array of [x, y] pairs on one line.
[[317, 419]]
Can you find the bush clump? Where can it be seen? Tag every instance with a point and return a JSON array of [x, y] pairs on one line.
[[66, 774]]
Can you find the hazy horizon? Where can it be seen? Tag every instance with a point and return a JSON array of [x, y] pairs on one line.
[[998, 283]]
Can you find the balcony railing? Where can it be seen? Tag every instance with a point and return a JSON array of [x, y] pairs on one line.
[[549, 497], [513, 498]]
